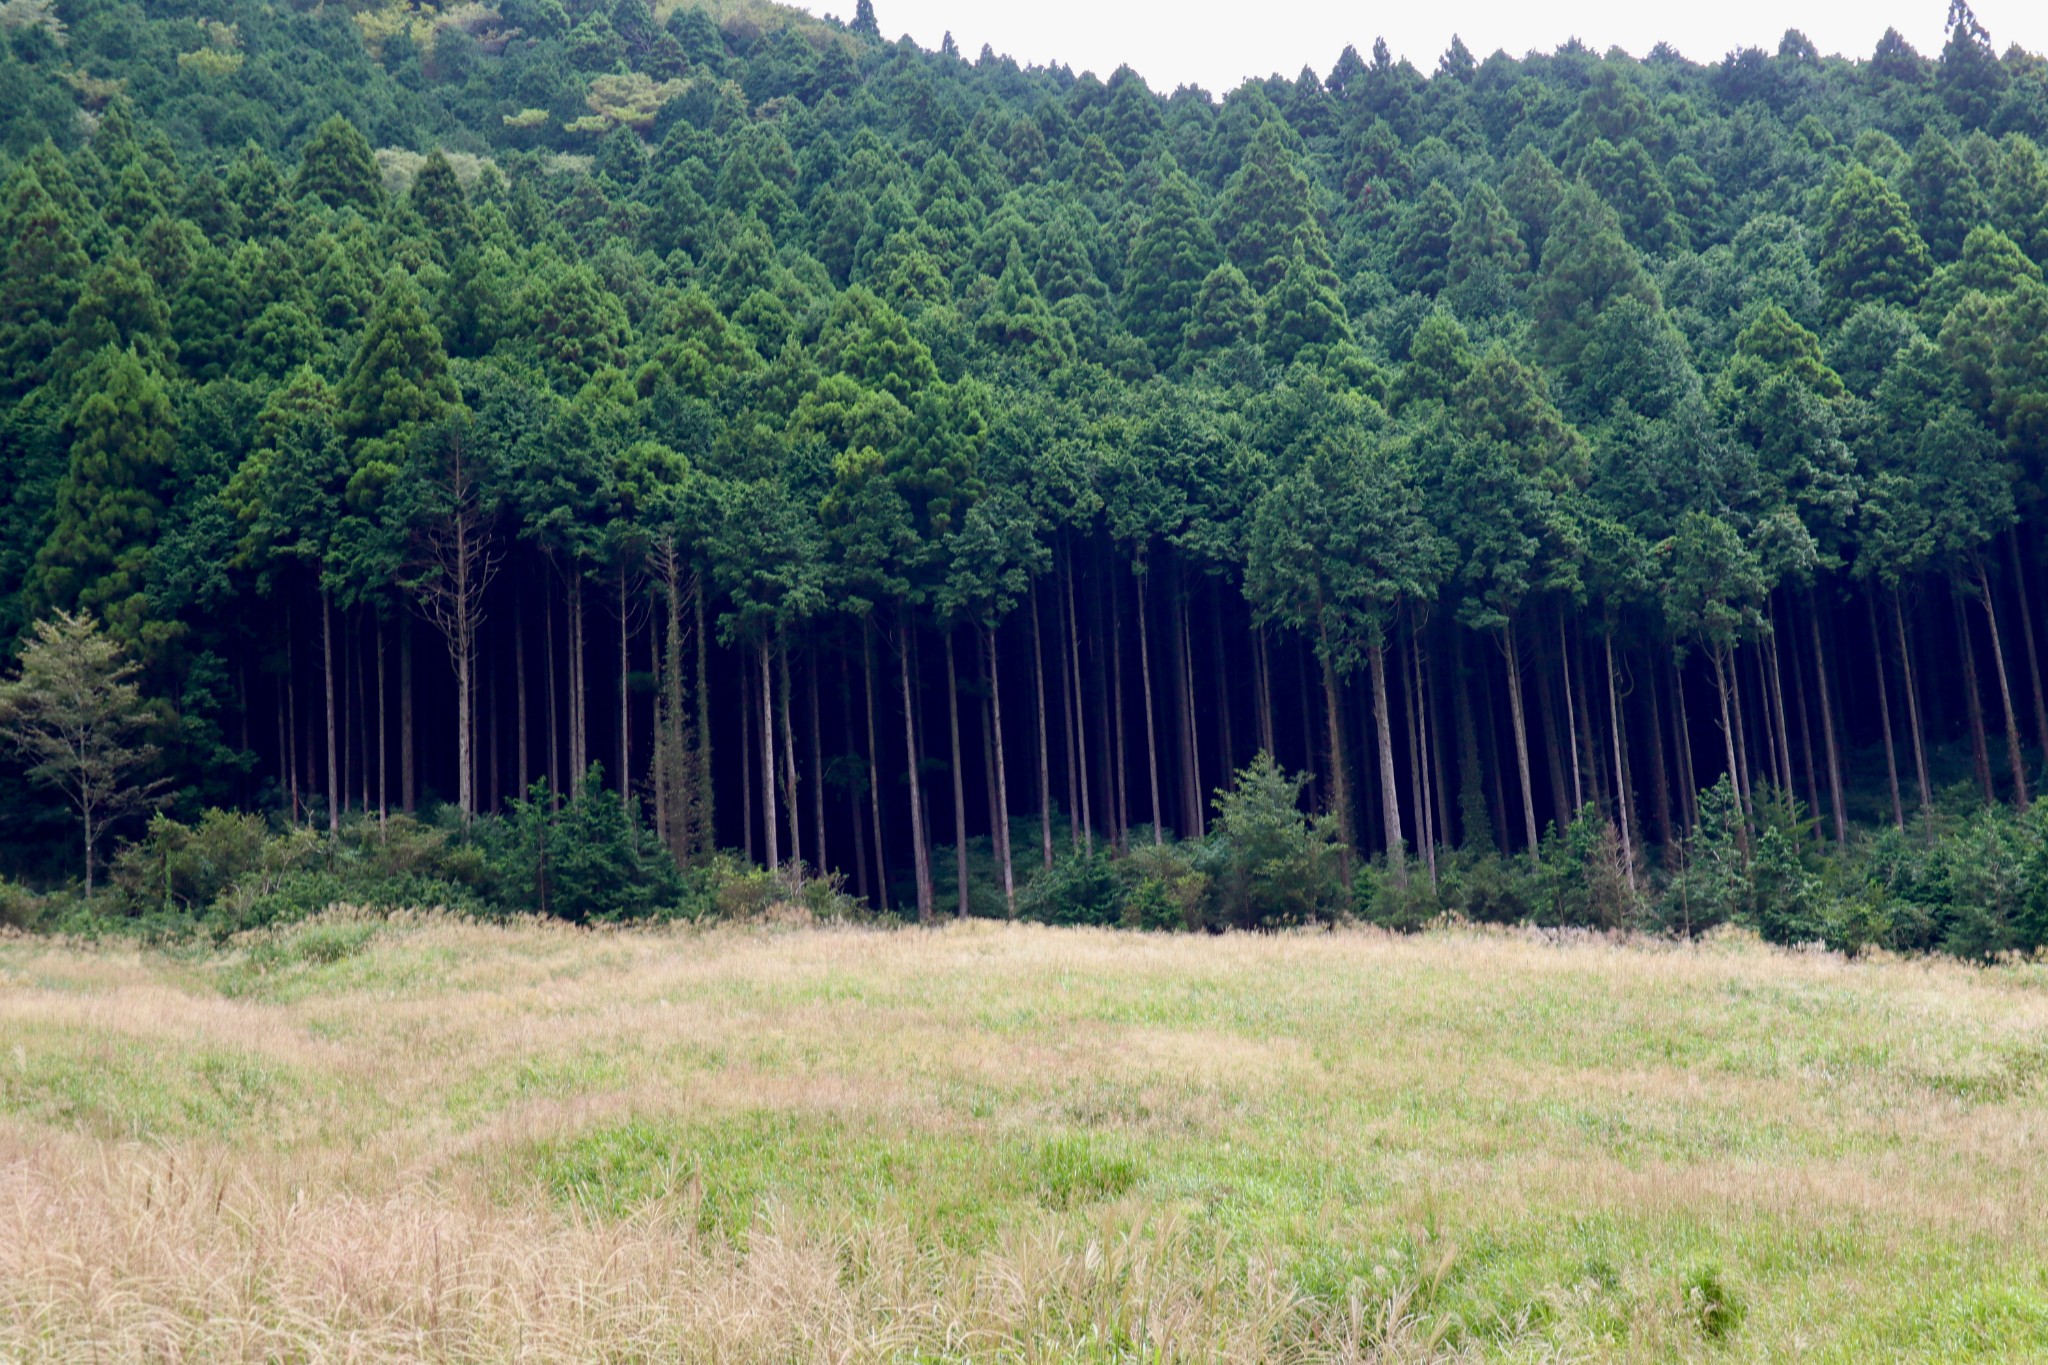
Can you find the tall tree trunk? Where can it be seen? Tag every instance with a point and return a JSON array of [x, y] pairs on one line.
[[1884, 711], [860, 845], [1044, 748], [1184, 720], [1151, 728], [747, 768], [555, 734], [1728, 736], [817, 766], [920, 854], [383, 738], [1912, 706], [525, 761], [1547, 711], [765, 728], [1660, 772], [867, 651], [1107, 583], [1571, 710], [1807, 768], [1622, 799], [1340, 787], [2012, 725], [792, 795], [1223, 708], [362, 717], [1778, 705], [959, 776], [705, 837], [1823, 685], [1390, 791], [625, 694], [1687, 775], [1262, 661], [1002, 816], [1973, 699], [2026, 613], [1514, 670], [1473, 815], [1105, 764], [1067, 713], [327, 680], [579, 733], [1080, 713]]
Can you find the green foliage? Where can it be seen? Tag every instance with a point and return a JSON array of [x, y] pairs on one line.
[[1270, 865], [586, 859]]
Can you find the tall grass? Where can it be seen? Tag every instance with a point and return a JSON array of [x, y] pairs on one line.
[[426, 1139]]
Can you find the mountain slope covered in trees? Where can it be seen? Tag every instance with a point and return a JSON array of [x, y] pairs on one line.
[[844, 446]]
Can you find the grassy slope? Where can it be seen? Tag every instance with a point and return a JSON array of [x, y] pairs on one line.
[[462, 1142]]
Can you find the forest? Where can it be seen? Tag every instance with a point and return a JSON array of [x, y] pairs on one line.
[[609, 461]]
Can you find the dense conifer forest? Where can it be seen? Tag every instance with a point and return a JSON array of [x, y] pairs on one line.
[[553, 456]]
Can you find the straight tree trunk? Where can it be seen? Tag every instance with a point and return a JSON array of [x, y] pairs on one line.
[[1340, 798], [1390, 792], [1660, 773], [1621, 788], [860, 845], [1730, 738], [1473, 815], [2012, 726], [1912, 706], [959, 777], [1123, 749], [383, 738], [1067, 714], [1514, 670], [792, 796], [1002, 817], [1151, 729], [579, 733], [817, 767], [327, 680], [920, 855], [747, 767], [1229, 750], [706, 836], [1884, 711], [2019, 578], [1044, 748], [765, 728], [362, 718], [867, 651], [625, 694], [525, 762], [1807, 768], [1547, 711], [555, 736], [1973, 699], [1262, 660], [1687, 774], [1571, 711], [1823, 685], [1080, 714]]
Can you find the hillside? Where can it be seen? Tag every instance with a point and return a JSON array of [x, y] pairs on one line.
[[845, 454]]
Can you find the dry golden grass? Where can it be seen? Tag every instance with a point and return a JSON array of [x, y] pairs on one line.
[[426, 1139]]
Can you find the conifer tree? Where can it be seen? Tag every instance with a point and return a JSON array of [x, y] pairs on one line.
[[41, 271], [1870, 249], [1226, 312], [1587, 265], [1268, 214], [1171, 256], [110, 504], [397, 383], [1488, 265], [338, 169]]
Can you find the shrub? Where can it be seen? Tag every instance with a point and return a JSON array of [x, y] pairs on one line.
[[1268, 863], [1079, 889], [587, 858]]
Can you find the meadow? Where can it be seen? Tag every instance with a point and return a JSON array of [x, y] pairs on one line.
[[425, 1138]]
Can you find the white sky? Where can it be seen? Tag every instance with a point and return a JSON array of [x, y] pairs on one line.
[[1218, 43]]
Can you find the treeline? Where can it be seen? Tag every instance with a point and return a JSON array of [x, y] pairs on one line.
[[862, 452]]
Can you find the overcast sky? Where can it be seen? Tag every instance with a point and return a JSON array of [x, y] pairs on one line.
[[1218, 43]]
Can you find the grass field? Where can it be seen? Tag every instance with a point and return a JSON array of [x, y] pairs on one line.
[[433, 1140]]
